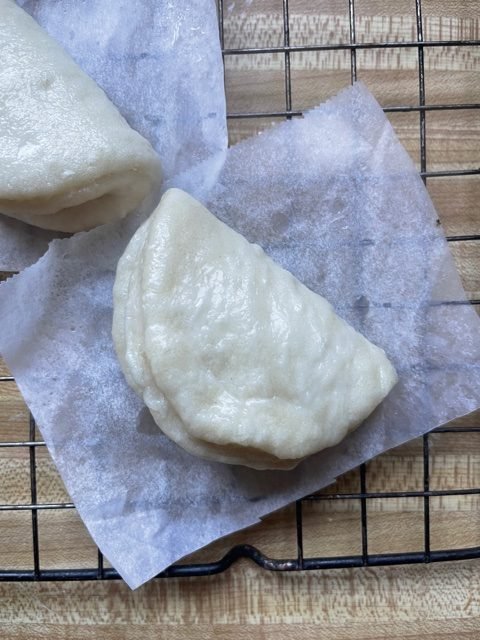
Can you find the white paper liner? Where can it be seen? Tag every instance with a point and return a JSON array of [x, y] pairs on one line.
[[334, 198]]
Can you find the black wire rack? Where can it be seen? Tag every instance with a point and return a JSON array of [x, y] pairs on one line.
[[425, 554]]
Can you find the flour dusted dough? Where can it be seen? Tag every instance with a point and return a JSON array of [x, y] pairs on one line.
[[68, 159], [236, 359]]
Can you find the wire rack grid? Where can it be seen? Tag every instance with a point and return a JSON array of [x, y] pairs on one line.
[[302, 561]]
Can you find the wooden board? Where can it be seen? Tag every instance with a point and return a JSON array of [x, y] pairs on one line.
[[436, 601]]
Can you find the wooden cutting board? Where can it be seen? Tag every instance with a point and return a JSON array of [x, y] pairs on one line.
[[435, 601]]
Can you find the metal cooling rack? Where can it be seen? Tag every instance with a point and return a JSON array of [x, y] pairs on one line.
[[300, 562]]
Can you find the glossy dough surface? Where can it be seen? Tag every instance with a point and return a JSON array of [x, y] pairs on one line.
[[68, 160], [236, 359]]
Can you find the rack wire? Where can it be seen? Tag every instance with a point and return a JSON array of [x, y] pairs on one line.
[[302, 561]]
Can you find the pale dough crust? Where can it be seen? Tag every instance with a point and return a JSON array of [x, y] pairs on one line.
[[68, 160], [128, 339], [236, 359]]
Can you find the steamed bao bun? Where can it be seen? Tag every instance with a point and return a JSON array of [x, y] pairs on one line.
[[68, 160], [237, 361]]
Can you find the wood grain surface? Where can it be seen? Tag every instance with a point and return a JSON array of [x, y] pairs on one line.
[[428, 601]]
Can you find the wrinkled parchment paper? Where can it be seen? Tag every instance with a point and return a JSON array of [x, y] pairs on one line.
[[159, 62], [335, 199]]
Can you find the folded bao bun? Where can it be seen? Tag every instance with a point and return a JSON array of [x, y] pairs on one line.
[[68, 160], [237, 361]]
